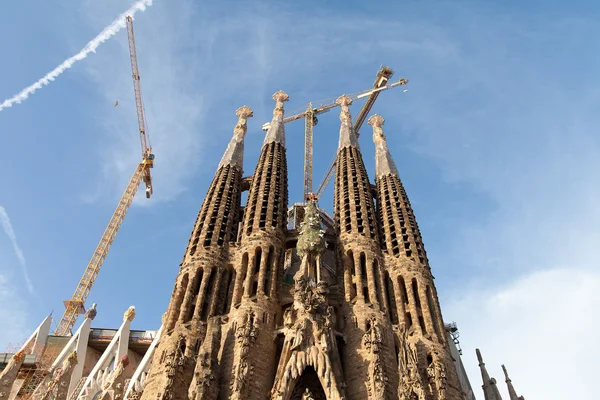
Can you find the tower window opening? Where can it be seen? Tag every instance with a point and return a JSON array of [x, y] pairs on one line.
[[196, 290], [376, 277], [422, 323], [210, 290], [391, 298], [255, 269], [229, 291], [431, 306], [415, 289], [409, 321], [366, 294], [268, 271], [404, 293], [180, 293], [363, 265]]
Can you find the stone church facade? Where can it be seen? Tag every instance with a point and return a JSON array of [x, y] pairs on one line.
[[320, 308], [275, 302]]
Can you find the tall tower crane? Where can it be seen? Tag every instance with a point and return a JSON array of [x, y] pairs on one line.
[[310, 116], [75, 305]]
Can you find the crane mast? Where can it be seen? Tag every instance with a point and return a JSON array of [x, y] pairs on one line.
[[383, 75], [75, 305], [310, 122], [310, 116]]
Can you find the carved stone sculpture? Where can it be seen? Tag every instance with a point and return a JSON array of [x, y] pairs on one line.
[[246, 334], [58, 387], [9, 374], [205, 384], [115, 385]]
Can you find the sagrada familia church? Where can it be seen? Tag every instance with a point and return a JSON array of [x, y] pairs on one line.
[[277, 302]]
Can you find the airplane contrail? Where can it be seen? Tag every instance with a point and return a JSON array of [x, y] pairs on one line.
[[91, 47], [8, 229]]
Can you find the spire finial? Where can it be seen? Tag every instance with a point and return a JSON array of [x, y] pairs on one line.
[[347, 135], [505, 373], [479, 358], [234, 154], [344, 101], [280, 97], [511, 389], [276, 132], [490, 390], [384, 164], [376, 121], [243, 113]]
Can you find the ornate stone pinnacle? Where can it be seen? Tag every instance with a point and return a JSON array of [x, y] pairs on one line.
[[19, 356], [129, 314], [344, 100], [376, 120], [280, 97], [91, 312], [72, 358], [243, 114]]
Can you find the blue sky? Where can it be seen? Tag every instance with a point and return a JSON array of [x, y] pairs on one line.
[[496, 141]]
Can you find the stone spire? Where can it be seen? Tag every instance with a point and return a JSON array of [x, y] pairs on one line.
[[384, 164], [276, 132], [347, 135], [511, 390], [490, 390], [234, 155]]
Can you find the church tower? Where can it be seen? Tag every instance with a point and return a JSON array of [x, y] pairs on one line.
[[369, 346], [319, 308], [425, 364], [205, 279]]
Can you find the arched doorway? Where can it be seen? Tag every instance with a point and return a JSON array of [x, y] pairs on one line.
[[308, 380]]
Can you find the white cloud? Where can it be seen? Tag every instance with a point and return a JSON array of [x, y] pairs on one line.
[[8, 229], [542, 327], [89, 48]]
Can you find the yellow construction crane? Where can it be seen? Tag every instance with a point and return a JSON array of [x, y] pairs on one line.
[[75, 305], [310, 116], [383, 75]]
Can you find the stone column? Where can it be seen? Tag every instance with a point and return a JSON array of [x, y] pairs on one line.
[[189, 296]]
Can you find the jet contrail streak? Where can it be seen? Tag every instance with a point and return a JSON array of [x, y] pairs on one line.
[[8, 229], [91, 47]]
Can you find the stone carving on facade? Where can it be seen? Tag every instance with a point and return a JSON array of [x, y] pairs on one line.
[[205, 384], [114, 387], [411, 383], [91, 312], [436, 374], [174, 362], [129, 314], [307, 395], [311, 244], [309, 322], [9, 374], [58, 387], [372, 342], [246, 334]]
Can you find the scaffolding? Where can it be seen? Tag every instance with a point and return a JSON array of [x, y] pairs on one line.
[[452, 329]]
